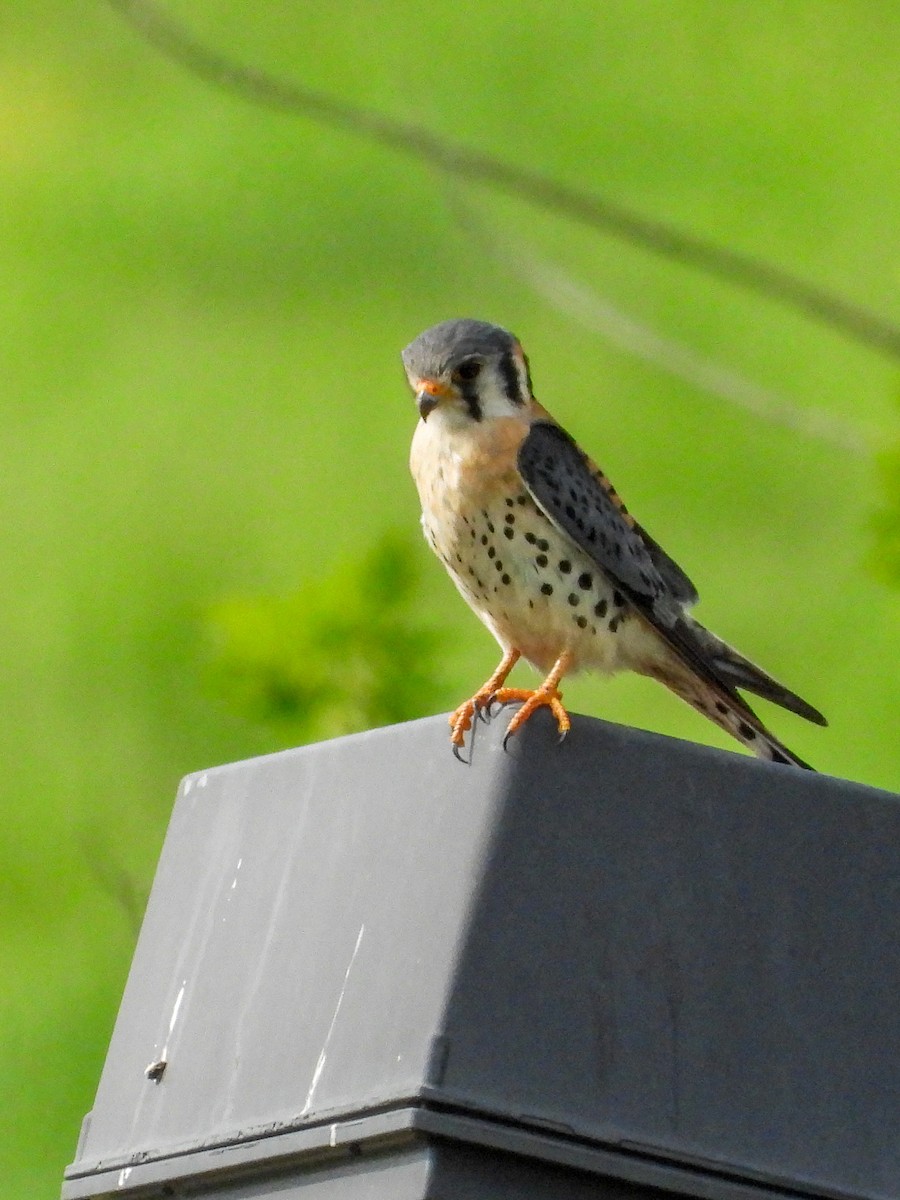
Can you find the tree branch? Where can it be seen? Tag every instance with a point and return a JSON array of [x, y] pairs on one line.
[[462, 163]]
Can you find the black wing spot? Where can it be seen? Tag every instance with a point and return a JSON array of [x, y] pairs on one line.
[[747, 731]]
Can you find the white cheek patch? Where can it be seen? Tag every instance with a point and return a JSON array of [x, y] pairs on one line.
[[493, 397]]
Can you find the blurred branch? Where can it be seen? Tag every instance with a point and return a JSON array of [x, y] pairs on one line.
[[114, 879], [463, 163], [596, 312]]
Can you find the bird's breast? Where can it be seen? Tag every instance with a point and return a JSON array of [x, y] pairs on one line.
[[526, 580]]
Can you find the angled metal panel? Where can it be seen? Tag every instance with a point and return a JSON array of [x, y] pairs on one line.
[[677, 961]]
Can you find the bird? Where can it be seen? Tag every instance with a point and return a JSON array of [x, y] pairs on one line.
[[544, 551]]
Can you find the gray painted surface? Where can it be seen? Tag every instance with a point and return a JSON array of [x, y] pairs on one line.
[[670, 956]]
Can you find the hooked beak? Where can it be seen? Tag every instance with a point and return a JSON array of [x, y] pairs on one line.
[[429, 396]]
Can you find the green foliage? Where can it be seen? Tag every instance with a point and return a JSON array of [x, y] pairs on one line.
[[203, 304], [343, 653], [886, 557]]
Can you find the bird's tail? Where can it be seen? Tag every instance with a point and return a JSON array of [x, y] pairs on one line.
[[707, 673]]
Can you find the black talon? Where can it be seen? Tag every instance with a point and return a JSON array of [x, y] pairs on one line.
[[457, 754]]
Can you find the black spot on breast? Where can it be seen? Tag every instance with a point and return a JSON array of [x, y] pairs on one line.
[[509, 503], [573, 599], [491, 528], [510, 518], [530, 538], [565, 566], [499, 565], [547, 589], [521, 499], [614, 624], [618, 599], [504, 579], [541, 560], [600, 609], [581, 622], [492, 553], [508, 533], [586, 581], [543, 544], [484, 539]]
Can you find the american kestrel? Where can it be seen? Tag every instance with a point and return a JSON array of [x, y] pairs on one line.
[[541, 547]]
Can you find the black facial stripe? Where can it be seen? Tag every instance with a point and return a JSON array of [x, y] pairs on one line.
[[510, 376], [528, 374], [468, 389]]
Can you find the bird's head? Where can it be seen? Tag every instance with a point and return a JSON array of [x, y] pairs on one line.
[[469, 371]]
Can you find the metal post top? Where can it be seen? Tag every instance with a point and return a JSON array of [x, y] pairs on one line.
[[672, 958]]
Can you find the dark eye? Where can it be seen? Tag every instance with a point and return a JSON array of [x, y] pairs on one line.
[[468, 370]]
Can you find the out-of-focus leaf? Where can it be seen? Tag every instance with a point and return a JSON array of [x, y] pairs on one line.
[[341, 654]]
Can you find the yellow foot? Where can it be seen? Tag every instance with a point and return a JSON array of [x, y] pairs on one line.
[[461, 719], [543, 697]]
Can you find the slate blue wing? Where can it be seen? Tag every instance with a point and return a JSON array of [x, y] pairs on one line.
[[566, 486], [575, 497]]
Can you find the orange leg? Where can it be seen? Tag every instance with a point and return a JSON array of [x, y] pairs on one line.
[[546, 696], [461, 720]]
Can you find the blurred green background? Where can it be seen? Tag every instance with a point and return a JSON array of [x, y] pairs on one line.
[[205, 427]]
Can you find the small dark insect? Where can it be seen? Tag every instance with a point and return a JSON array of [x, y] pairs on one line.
[[156, 1070]]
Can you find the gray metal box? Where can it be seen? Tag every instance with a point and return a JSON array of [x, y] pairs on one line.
[[620, 964]]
